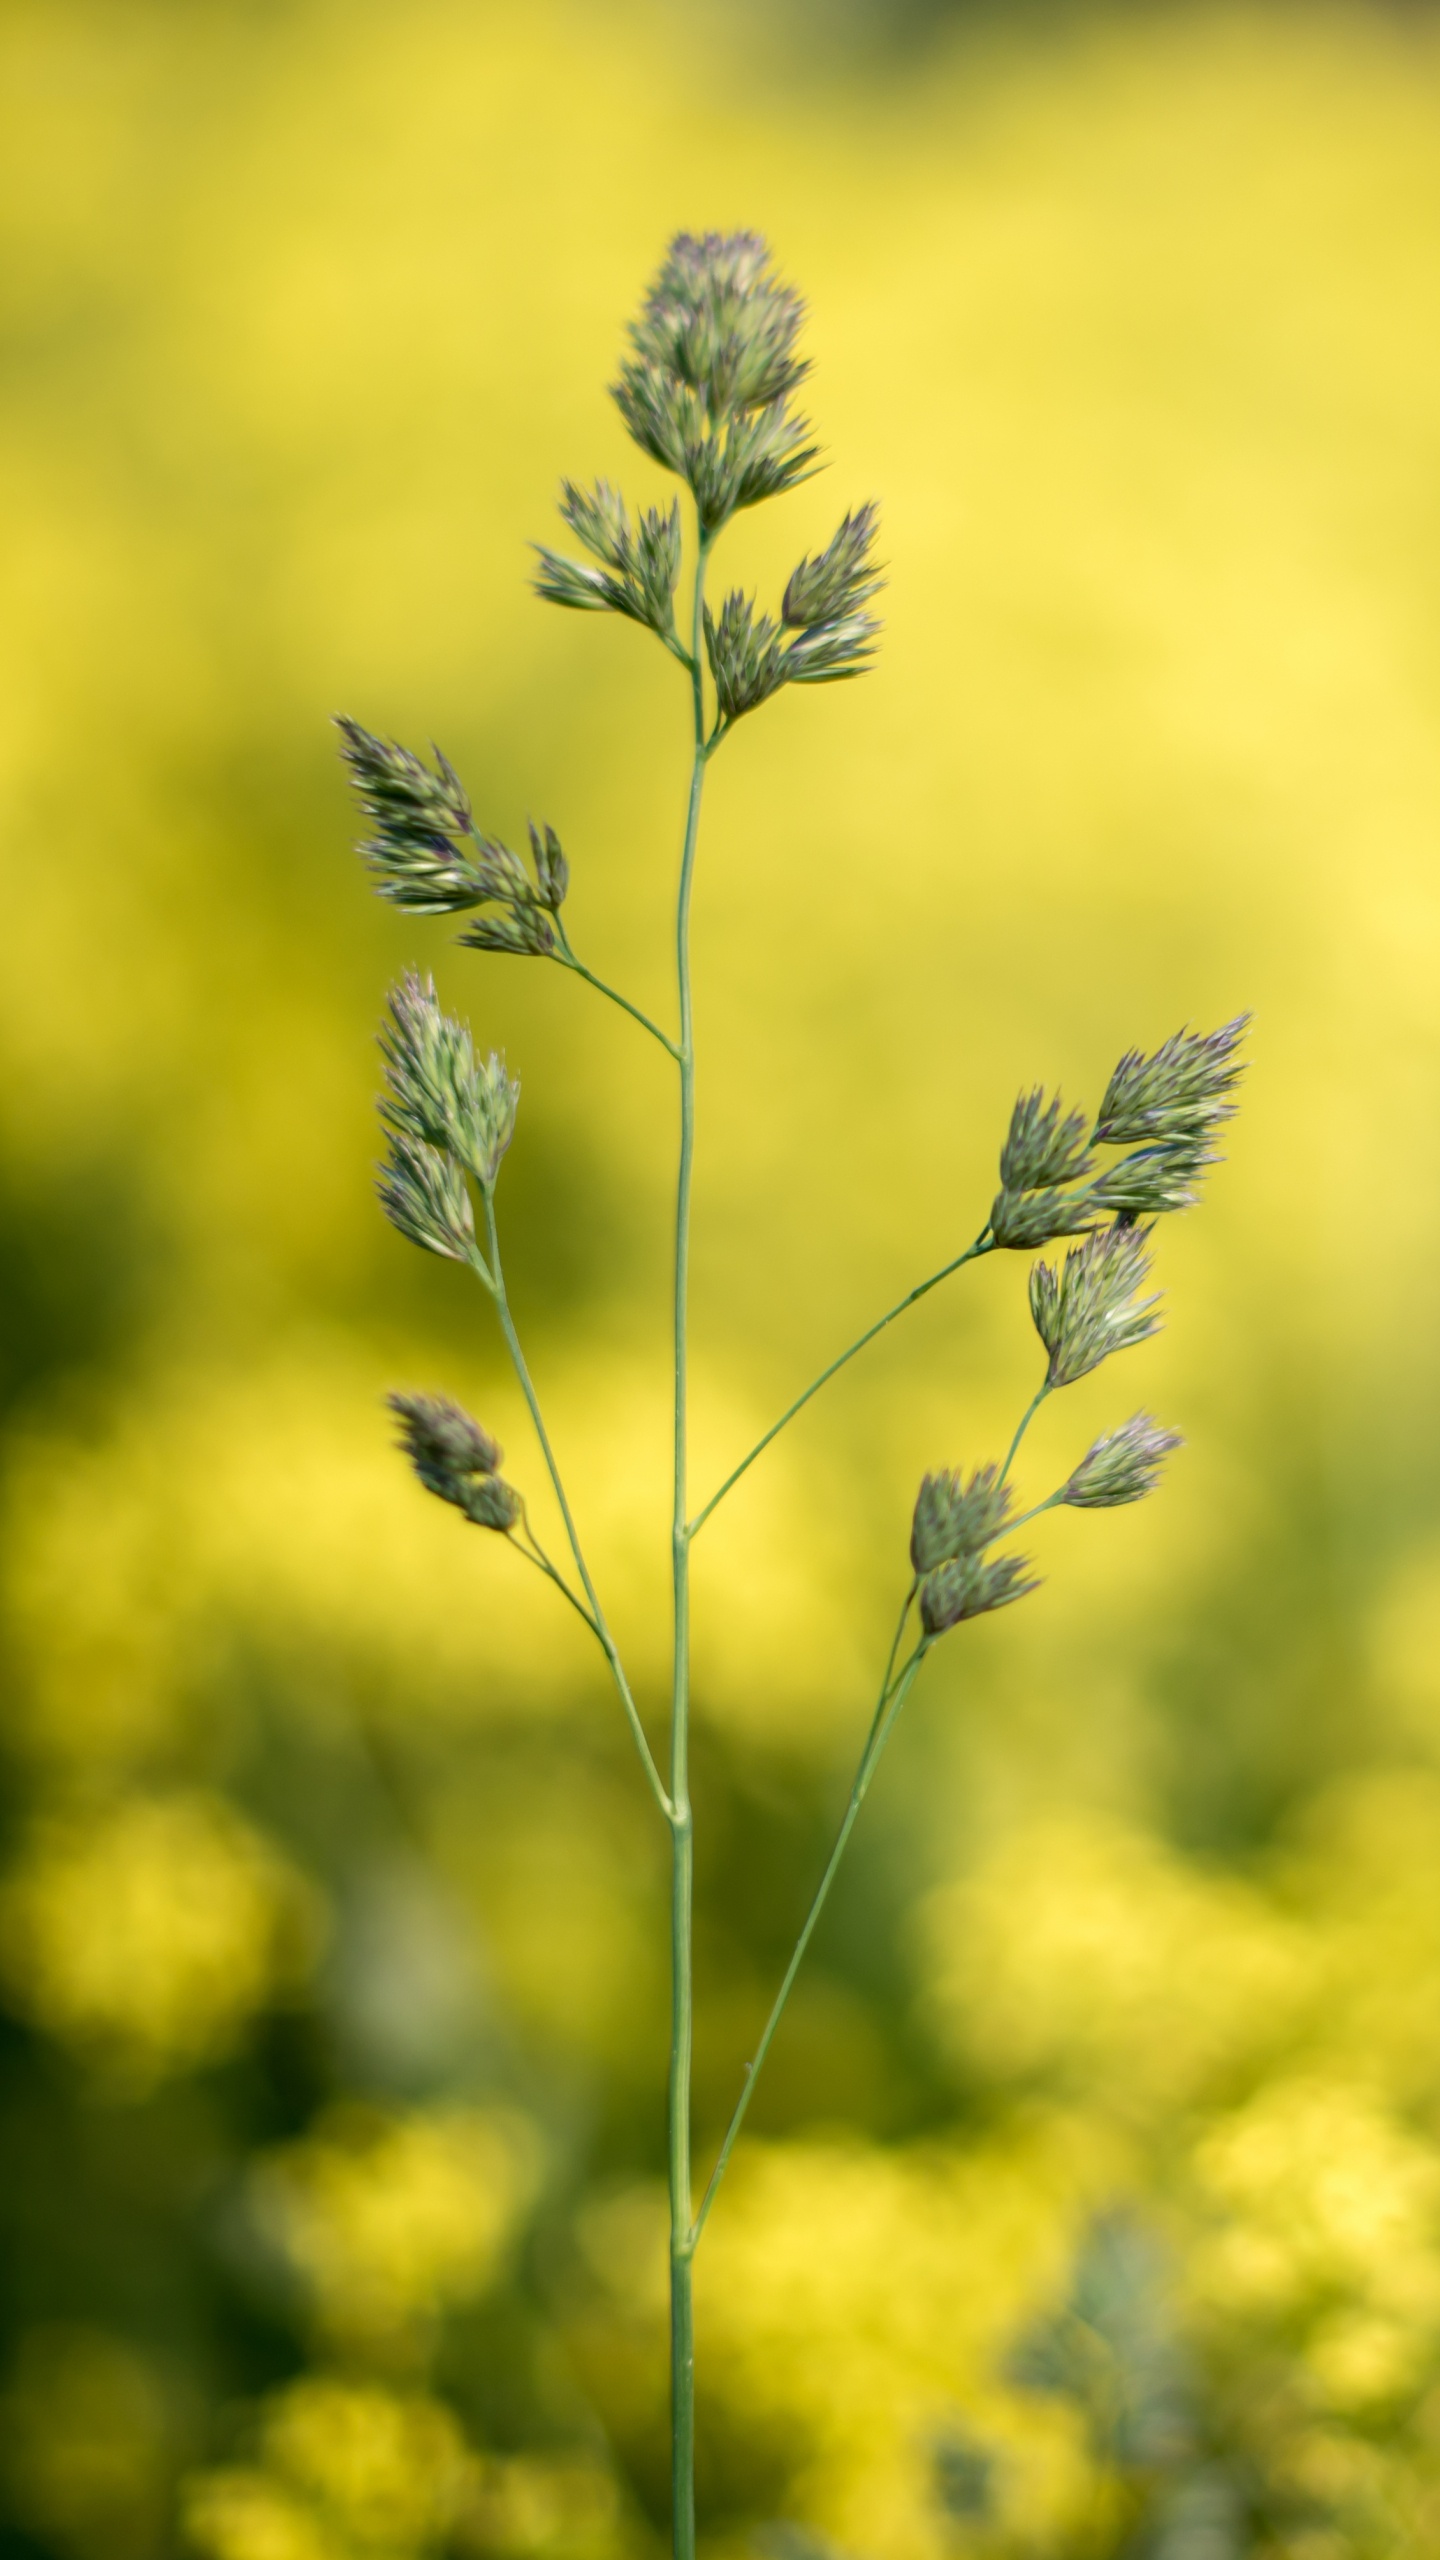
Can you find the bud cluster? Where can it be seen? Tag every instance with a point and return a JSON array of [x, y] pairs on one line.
[[1090, 1305], [831, 638], [1121, 1466], [428, 857], [447, 1115], [953, 1525], [707, 388], [454, 1458], [1164, 1108], [420, 852], [639, 564]]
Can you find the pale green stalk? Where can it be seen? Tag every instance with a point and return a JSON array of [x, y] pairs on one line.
[[494, 1278], [567, 960], [682, 1998], [892, 1698], [1023, 1425], [983, 1244]]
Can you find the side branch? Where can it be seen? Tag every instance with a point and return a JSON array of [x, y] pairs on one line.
[[595, 1614], [892, 1698], [567, 960], [983, 1244]]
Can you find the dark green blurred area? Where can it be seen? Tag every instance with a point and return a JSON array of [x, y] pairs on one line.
[[1094, 2205]]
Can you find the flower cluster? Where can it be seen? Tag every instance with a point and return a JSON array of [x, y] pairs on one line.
[[1121, 1466], [1165, 1109], [448, 1115], [954, 1524], [1089, 1305], [831, 636], [639, 564], [454, 1458], [706, 390], [427, 856]]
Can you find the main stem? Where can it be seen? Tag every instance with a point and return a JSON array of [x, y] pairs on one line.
[[682, 1889]]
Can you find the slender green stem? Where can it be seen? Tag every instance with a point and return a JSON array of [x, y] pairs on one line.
[[1023, 1425], [682, 2001], [1025, 1518], [567, 960], [597, 1614], [534, 1553], [972, 1252], [893, 1695]]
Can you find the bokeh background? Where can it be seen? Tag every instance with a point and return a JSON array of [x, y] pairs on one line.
[[1094, 2201]]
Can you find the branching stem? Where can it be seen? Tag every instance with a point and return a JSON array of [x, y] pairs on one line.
[[893, 1694], [535, 1554], [1022, 1426], [567, 960], [496, 1283], [982, 1244]]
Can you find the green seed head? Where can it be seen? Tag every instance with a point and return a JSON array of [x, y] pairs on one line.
[[1020, 1220], [455, 1459], [970, 1587], [438, 1094], [1044, 1144], [1123, 1466], [422, 1192], [1186, 1088], [746, 661], [706, 389], [1089, 1306], [419, 852], [955, 1519]]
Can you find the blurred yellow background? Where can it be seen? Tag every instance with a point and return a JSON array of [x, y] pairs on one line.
[[1094, 2200]]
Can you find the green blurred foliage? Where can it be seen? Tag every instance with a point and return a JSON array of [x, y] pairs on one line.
[[1095, 2201]]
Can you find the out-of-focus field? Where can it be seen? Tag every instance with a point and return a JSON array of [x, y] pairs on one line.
[[331, 1930]]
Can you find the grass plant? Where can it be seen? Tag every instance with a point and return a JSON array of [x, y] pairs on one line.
[[707, 388]]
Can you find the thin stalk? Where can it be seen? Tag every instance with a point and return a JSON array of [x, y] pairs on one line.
[[597, 1614], [682, 1994], [971, 1253], [535, 1554], [1023, 1425], [1025, 1518], [892, 1698], [567, 960]]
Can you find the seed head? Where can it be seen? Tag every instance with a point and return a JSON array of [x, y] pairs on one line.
[[718, 318], [552, 871], [1019, 1220], [840, 581], [832, 651], [639, 564], [743, 647], [518, 927], [1123, 1466], [1089, 1307], [823, 605], [438, 1093], [422, 1192], [1044, 1144], [1185, 1089], [454, 1458], [706, 390], [970, 1586], [955, 1519], [1154, 1179], [419, 854]]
